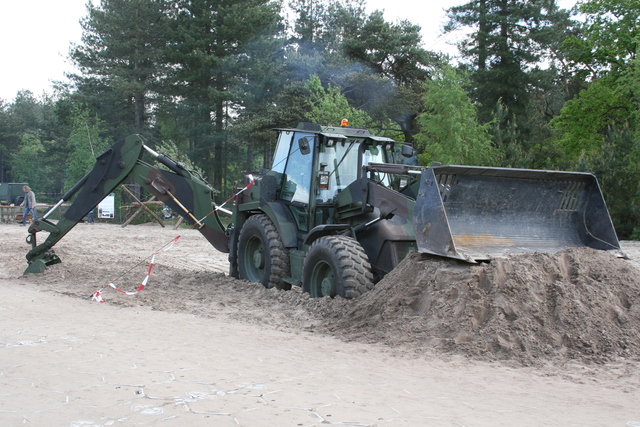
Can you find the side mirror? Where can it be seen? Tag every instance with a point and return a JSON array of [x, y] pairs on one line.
[[407, 150], [304, 145]]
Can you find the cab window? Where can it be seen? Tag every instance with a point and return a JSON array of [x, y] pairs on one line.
[[298, 168], [282, 151], [339, 159]]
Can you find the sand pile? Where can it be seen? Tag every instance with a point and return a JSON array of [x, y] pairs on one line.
[[580, 304]]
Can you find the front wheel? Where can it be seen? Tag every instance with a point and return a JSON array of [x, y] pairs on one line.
[[336, 265], [262, 257]]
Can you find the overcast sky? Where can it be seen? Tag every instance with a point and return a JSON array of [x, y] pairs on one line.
[[36, 34]]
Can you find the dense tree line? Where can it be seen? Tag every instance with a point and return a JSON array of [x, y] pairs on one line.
[[534, 87]]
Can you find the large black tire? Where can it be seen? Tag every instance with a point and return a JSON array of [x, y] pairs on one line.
[[262, 257], [336, 265]]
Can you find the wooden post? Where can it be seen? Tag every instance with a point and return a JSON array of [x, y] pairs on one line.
[[132, 217], [178, 222], [142, 206]]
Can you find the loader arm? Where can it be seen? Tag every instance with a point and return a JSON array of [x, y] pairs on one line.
[[185, 193]]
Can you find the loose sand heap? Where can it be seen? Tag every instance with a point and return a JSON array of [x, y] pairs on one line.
[[578, 304]]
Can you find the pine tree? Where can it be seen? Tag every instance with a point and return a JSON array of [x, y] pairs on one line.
[[217, 45], [121, 58], [508, 39]]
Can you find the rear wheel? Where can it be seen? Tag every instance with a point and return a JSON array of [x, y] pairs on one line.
[[336, 265], [262, 257]]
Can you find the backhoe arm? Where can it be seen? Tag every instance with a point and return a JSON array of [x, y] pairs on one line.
[[186, 194]]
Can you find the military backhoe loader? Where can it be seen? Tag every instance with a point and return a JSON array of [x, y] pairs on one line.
[[340, 208]]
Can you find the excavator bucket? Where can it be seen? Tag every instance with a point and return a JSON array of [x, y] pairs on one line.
[[477, 213]]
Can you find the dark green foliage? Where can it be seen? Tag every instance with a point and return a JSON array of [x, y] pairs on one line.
[[395, 67], [449, 129], [518, 72], [8, 141], [122, 54], [30, 133], [617, 164], [85, 143], [218, 47], [377, 65], [586, 118], [599, 128], [27, 162], [610, 36], [508, 37]]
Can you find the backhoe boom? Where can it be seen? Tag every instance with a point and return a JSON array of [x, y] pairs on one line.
[[187, 195]]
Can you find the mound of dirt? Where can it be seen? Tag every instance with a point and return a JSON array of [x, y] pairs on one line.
[[577, 304]]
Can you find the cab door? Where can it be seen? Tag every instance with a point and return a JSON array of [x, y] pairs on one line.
[[297, 184]]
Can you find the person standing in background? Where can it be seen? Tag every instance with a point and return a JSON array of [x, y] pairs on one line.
[[29, 204], [90, 219]]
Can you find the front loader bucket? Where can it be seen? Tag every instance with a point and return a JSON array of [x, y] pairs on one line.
[[476, 213]]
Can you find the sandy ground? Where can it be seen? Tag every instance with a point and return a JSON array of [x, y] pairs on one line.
[[198, 348]]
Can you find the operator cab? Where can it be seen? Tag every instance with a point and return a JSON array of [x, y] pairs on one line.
[[340, 152]]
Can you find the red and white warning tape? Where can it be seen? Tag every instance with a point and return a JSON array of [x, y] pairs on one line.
[[252, 181], [97, 295]]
